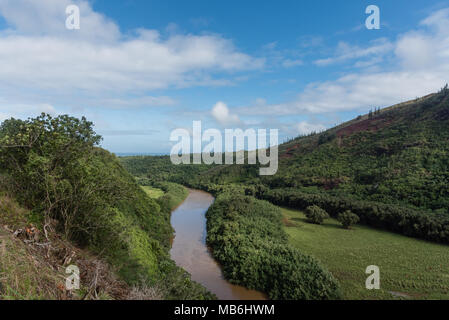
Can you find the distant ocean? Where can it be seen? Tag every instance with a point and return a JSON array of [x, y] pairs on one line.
[[132, 154]]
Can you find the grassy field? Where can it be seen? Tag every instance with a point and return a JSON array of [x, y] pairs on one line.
[[409, 268], [152, 192]]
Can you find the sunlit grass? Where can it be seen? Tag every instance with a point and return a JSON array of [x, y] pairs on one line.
[[152, 192], [410, 268]]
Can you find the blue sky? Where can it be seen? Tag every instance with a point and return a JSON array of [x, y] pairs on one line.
[[140, 69]]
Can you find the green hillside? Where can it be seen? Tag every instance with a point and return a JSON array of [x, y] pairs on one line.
[[67, 188]]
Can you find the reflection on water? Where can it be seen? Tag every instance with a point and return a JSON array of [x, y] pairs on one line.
[[190, 252]]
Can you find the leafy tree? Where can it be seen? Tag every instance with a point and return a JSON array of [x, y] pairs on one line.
[[326, 137], [54, 170], [347, 219], [316, 215]]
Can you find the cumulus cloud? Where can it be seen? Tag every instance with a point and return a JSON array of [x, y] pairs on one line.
[[304, 127], [37, 52], [139, 102], [222, 115], [127, 132], [47, 17], [347, 52], [421, 66], [20, 110]]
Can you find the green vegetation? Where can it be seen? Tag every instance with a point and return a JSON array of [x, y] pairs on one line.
[[169, 195], [392, 175], [33, 268], [37, 281], [174, 195], [53, 167], [413, 268], [347, 219], [159, 168], [153, 193], [381, 159], [316, 215], [404, 220], [247, 238]]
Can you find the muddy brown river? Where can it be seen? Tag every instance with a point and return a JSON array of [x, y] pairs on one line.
[[190, 252]]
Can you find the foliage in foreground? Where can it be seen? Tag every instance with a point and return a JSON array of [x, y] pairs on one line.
[[54, 168], [247, 238]]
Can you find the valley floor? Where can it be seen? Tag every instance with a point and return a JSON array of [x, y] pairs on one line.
[[409, 268]]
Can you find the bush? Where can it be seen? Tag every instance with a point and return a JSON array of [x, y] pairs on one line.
[[316, 215], [347, 219], [247, 238]]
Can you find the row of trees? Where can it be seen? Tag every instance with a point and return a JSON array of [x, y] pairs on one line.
[[403, 220], [317, 215]]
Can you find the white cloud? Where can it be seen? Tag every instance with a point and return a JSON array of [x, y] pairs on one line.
[[37, 53], [47, 17], [137, 64], [304, 127], [222, 115], [347, 52], [421, 67], [24, 111], [140, 102], [355, 92], [369, 63], [415, 51], [127, 132], [438, 21], [270, 46]]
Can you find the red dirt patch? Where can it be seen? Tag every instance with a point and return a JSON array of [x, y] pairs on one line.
[[371, 125], [288, 223], [289, 152]]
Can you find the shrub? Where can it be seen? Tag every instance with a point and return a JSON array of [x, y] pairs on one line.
[[316, 215], [347, 219], [247, 238], [326, 137]]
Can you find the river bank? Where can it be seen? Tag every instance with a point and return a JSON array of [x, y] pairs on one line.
[[189, 249]]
